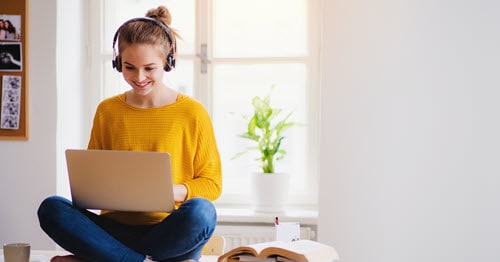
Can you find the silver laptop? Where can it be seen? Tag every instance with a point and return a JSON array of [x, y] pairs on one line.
[[120, 180]]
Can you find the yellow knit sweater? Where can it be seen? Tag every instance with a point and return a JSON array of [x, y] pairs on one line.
[[183, 129]]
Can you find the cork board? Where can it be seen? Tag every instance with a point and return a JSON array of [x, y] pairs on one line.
[[14, 69]]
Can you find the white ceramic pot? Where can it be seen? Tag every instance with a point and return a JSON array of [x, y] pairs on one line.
[[270, 192]]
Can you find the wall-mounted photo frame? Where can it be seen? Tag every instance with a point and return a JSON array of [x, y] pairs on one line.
[[11, 57], [14, 70], [10, 27]]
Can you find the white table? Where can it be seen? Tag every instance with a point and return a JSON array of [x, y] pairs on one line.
[[46, 255]]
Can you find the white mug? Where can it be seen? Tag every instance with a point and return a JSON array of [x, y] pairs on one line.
[[16, 252]]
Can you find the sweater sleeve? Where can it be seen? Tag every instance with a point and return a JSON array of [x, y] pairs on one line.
[[207, 180], [95, 134]]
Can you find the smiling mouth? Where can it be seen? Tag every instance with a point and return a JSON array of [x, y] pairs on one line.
[[142, 85]]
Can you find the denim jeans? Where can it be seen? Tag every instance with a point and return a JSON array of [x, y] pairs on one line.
[[89, 236]]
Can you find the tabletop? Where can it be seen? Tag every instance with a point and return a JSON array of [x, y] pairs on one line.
[[46, 255]]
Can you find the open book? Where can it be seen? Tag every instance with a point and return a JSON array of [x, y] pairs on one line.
[[297, 251]]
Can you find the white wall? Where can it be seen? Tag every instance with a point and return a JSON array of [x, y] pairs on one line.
[[32, 169], [410, 132], [28, 168], [71, 82]]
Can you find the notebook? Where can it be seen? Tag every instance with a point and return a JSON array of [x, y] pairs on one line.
[[120, 180]]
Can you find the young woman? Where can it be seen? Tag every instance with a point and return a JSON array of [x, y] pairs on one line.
[[11, 31], [3, 32], [149, 117]]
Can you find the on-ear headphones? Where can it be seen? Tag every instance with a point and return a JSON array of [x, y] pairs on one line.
[[117, 63]]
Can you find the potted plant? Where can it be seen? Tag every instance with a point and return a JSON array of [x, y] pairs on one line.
[[266, 127]]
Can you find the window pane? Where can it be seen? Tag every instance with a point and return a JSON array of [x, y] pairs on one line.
[[234, 87], [181, 78], [256, 28]]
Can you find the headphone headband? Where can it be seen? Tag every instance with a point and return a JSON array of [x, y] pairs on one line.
[[170, 57]]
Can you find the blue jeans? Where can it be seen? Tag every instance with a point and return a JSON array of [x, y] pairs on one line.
[[91, 237]]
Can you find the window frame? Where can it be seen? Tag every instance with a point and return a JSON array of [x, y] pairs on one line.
[[99, 51]]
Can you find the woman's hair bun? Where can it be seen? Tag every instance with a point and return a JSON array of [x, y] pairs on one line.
[[161, 14]]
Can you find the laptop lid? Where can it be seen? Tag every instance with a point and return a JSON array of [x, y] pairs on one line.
[[120, 180]]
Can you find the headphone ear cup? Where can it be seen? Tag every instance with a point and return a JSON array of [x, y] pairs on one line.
[[170, 63], [117, 64]]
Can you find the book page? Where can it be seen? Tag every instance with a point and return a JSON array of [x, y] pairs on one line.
[[272, 244], [249, 250], [314, 251], [302, 250], [250, 258]]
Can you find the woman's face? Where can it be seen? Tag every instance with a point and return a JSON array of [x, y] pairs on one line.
[[142, 67], [1, 24]]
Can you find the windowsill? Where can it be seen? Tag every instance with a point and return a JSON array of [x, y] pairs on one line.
[[229, 215]]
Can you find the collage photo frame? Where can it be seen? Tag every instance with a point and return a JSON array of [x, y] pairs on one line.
[[13, 70]]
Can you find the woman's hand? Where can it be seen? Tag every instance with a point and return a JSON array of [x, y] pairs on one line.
[[180, 192]]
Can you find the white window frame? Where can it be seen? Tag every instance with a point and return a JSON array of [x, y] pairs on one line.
[[99, 51]]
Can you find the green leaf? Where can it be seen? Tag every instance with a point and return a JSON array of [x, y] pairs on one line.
[[265, 127]]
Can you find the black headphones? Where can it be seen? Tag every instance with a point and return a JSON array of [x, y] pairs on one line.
[[117, 62]]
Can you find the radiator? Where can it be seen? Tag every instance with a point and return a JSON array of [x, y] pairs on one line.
[[238, 235]]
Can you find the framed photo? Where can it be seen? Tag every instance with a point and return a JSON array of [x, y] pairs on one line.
[[11, 57], [11, 102], [10, 27]]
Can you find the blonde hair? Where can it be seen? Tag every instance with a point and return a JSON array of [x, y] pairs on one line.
[[142, 32]]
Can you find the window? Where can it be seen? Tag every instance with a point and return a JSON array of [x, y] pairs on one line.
[[232, 50]]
